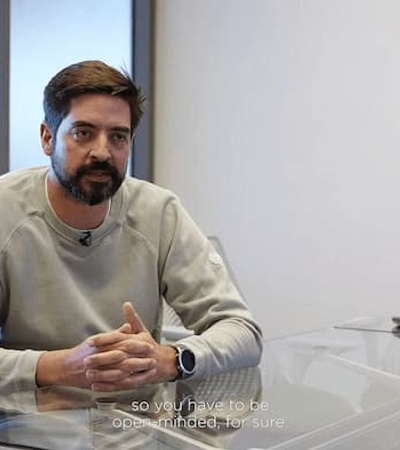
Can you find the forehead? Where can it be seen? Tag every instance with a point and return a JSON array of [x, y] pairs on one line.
[[103, 110]]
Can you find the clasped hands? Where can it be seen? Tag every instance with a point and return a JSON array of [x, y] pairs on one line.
[[125, 358]]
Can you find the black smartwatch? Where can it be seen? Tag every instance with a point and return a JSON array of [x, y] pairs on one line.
[[185, 362]]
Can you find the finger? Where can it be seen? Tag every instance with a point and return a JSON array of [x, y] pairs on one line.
[[110, 338], [104, 359], [132, 318], [131, 382], [135, 366], [105, 376], [136, 347], [125, 328], [128, 348]]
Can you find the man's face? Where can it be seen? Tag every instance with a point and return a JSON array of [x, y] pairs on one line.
[[90, 151]]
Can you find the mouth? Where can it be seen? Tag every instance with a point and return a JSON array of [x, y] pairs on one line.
[[98, 175]]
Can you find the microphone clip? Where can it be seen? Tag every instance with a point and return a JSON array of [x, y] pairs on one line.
[[86, 240]]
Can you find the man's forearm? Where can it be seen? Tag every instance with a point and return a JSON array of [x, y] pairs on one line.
[[52, 370], [64, 367]]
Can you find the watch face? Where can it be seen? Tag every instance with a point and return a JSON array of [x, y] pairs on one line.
[[188, 360]]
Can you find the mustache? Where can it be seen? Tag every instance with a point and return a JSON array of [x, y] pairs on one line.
[[101, 166]]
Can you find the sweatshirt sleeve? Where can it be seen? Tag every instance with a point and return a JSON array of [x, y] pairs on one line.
[[196, 283], [17, 367]]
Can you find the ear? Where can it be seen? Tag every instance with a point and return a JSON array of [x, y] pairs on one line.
[[46, 138]]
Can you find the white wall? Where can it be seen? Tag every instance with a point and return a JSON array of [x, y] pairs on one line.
[[278, 124], [45, 36]]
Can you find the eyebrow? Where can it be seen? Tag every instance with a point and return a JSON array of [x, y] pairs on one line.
[[82, 123]]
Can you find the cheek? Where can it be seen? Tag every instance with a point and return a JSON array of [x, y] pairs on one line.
[[67, 158], [121, 160]]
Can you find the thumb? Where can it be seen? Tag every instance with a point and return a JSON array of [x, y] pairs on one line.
[[132, 318]]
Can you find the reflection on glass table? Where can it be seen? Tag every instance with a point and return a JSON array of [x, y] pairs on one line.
[[59, 418], [189, 415], [377, 350], [331, 397], [329, 389], [376, 324]]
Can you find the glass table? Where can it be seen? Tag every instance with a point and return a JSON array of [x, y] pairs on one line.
[[337, 388]]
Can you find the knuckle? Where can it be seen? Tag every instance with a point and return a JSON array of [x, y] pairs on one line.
[[118, 354]]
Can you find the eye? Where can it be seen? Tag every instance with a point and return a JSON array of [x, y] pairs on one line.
[[119, 138], [81, 134]]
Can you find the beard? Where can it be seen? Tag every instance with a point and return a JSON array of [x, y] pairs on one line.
[[89, 192]]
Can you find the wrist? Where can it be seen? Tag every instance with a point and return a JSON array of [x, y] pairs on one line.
[[185, 362], [172, 370], [47, 370], [53, 368]]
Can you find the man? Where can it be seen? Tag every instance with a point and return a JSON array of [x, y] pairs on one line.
[[84, 249]]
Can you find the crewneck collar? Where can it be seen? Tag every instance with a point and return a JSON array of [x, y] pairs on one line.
[[111, 220]]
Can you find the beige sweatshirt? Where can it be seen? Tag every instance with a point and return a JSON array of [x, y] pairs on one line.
[[55, 292]]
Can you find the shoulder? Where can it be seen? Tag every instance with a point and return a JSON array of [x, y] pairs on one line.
[[20, 196], [152, 209], [21, 182], [145, 197], [141, 188]]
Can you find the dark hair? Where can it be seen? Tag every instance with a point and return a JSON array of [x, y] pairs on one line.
[[84, 78]]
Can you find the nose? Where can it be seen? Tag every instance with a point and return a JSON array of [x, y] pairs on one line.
[[100, 148]]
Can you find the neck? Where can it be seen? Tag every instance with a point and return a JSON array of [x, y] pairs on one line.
[[71, 211]]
